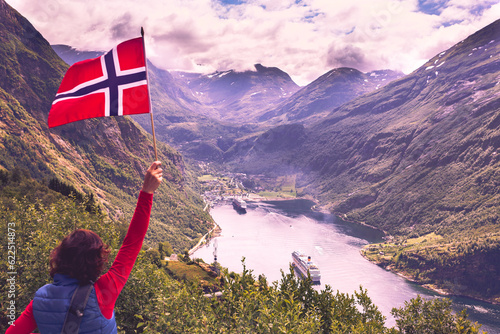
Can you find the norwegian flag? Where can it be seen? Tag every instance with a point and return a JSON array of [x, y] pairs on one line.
[[114, 84]]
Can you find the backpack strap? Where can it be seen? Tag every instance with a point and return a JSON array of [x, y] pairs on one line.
[[77, 306]]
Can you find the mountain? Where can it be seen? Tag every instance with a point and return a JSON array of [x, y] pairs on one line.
[[425, 144], [330, 90], [420, 155], [240, 97], [182, 120], [232, 105], [71, 55], [106, 157]]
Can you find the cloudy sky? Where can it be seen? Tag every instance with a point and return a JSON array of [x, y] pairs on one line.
[[305, 38]]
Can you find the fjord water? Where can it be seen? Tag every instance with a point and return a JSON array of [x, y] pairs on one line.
[[270, 231]]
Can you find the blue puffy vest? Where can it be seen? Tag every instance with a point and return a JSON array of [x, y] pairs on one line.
[[51, 303]]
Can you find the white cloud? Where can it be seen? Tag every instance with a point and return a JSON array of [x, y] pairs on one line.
[[304, 38]]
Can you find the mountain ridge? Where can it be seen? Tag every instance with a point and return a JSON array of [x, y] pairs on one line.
[[332, 89], [239, 97]]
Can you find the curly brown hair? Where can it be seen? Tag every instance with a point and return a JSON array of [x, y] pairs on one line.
[[81, 255]]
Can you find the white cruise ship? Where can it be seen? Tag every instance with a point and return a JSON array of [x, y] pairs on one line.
[[303, 264]]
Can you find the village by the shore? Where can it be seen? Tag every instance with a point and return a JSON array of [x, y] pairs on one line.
[[219, 187]]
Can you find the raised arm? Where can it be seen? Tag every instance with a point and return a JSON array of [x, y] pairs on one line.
[[109, 285]]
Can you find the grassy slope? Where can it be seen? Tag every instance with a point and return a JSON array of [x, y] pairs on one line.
[[467, 266]]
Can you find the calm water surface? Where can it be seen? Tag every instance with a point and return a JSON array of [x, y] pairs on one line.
[[270, 231]]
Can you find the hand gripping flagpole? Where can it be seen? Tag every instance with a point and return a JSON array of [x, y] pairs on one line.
[[149, 95]]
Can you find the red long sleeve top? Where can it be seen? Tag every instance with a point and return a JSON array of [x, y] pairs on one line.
[[109, 285]]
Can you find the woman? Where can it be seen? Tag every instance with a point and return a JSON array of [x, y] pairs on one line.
[[78, 260]]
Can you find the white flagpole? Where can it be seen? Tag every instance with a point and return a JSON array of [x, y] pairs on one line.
[[149, 95]]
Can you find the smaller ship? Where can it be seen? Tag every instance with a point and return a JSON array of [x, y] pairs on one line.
[[239, 205], [304, 264]]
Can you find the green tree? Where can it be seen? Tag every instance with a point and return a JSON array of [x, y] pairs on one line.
[[165, 249], [420, 316]]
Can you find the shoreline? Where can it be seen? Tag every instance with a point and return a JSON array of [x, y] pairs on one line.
[[213, 233], [431, 287], [343, 216], [257, 198]]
